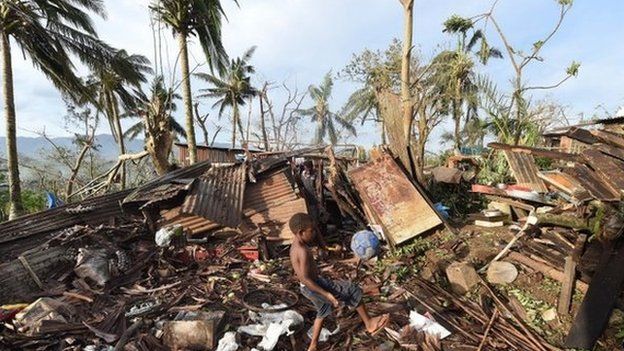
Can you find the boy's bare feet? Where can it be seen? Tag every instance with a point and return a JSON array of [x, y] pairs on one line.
[[376, 324]]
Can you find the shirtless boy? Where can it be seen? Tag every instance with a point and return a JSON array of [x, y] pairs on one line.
[[324, 293]]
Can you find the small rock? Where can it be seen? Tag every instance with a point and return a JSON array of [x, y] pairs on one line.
[[462, 277], [549, 315], [500, 272]]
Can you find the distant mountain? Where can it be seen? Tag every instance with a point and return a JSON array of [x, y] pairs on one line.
[[36, 147]]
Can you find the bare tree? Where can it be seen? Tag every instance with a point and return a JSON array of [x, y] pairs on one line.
[[518, 104], [284, 124]]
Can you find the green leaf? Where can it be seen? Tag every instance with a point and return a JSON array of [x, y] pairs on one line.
[[565, 2], [573, 69]]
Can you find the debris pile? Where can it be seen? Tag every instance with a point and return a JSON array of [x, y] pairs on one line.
[[198, 259], [577, 199]]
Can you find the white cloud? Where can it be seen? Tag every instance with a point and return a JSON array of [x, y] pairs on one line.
[[300, 40]]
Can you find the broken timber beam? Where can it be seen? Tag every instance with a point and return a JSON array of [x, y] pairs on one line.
[[601, 298], [609, 138], [556, 155], [545, 269], [610, 170], [567, 286]]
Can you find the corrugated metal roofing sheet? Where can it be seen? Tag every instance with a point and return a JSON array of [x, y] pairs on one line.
[[270, 202], [218, 194]]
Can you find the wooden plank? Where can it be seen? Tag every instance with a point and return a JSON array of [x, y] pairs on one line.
[[556, 155], [395, 202], [565, 183], [567, 286], [609, 138], [611, 151], [512, 203], [591, 181], [601, 298], [582, 135], [525, 171], [610, 169]]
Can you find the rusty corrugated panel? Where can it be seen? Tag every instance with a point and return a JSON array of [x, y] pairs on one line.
[[525, 171], [192, 224], [393, 201], [218, 194], [269, 204]]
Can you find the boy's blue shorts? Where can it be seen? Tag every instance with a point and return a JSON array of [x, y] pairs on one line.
[[344, 291]]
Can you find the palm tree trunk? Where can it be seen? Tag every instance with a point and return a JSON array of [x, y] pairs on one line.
[[457, 120], [120, 143], [186, 95], [406, 96], [15, 193], [265, 138], [234, 124]]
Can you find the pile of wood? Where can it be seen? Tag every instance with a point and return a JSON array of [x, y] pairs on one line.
[[577, 197]]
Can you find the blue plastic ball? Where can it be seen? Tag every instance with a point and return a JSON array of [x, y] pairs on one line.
[[365, 244]]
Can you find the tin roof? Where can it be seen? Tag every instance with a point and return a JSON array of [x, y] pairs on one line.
[[218, 194]]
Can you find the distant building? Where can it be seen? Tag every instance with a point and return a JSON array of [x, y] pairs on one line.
[[215, 154], [572, 140]]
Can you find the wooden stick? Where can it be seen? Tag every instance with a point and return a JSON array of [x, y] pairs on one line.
[[567, 286], [77, 296], [487, 329], [31, 272], [127, 335], [504, 308]]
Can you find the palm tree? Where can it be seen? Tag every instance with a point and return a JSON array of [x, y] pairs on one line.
[[202, 19], [455, 71], [158, 124], [110, 85], [321, 114], [363, 104], [46, 32], [233, 89]]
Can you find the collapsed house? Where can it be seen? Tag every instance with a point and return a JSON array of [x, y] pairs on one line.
[[204, 248], [83, 271], [579, 198]]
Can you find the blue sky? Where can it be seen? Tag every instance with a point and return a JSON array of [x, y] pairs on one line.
[[300, 40]]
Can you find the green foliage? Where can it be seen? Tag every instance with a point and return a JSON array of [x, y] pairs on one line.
[[199, 18], [33, 201], [455, 196], [232, 89], [155, 110], [573, 69], [321, 114], [494, 169], [50, 33], [565, 2], [457, 24], [533, 307]]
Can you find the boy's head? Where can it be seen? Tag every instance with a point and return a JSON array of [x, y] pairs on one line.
[[302, 226]]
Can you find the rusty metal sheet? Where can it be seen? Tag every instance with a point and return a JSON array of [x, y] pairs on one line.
[[269, 204], [218, 194], [592, 182], [193, 225], [610, 170], [525, 171], [396, 204]]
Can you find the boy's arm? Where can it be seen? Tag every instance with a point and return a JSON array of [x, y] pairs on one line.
[[302, 271]]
